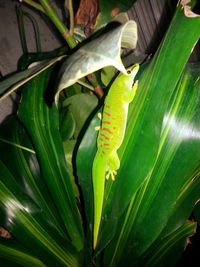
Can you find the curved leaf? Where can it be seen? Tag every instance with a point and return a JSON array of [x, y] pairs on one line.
[[13, 253], [99, 53]]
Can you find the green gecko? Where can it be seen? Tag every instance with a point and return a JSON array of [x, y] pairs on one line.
[[110, 137]]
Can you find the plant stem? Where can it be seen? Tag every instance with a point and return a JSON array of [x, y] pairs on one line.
[[51, 13], [69, 6], [85, 84], [33, 4], [22, 34], [36, 31]]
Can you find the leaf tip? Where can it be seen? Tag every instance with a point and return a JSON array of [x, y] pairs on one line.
[[188, 9]]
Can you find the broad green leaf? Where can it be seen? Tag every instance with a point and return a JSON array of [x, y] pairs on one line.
[[13, 253], [25, 168], [168, 251], [42, 124], [84, 159], [69, 146], [87, 103], [101, 52], [27, 222], [166, 195], [182, 210], [146, 114], [67, 124], [185, 203], [139, 151]]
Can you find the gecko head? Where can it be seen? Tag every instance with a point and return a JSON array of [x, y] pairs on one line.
[[132, 70], [128, 79]]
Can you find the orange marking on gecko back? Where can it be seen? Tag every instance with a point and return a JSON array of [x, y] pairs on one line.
[[103, 135], [105, 122], [107, 150], [104, 146], [107, 113], [107, 130]]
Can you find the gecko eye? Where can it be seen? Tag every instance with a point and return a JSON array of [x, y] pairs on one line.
[[128, 71]]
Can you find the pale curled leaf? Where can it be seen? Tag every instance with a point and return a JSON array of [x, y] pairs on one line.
[[99, 53]]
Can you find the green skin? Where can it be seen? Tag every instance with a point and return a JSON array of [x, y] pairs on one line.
[[110, 137]]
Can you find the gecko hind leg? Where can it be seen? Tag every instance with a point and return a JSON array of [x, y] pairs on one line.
[[113, 166], [112, 174]]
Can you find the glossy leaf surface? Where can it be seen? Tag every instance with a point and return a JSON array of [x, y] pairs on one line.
[[27, 222], [43, 126], [13, 253], [154, 208], [25, 167]]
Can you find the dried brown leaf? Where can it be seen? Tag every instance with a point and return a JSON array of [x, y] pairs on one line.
[[87, 14]]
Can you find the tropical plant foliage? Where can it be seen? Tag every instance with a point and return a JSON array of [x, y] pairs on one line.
[[47, 150]]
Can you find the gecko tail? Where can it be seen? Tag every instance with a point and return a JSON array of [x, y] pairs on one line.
[[98, 174]]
